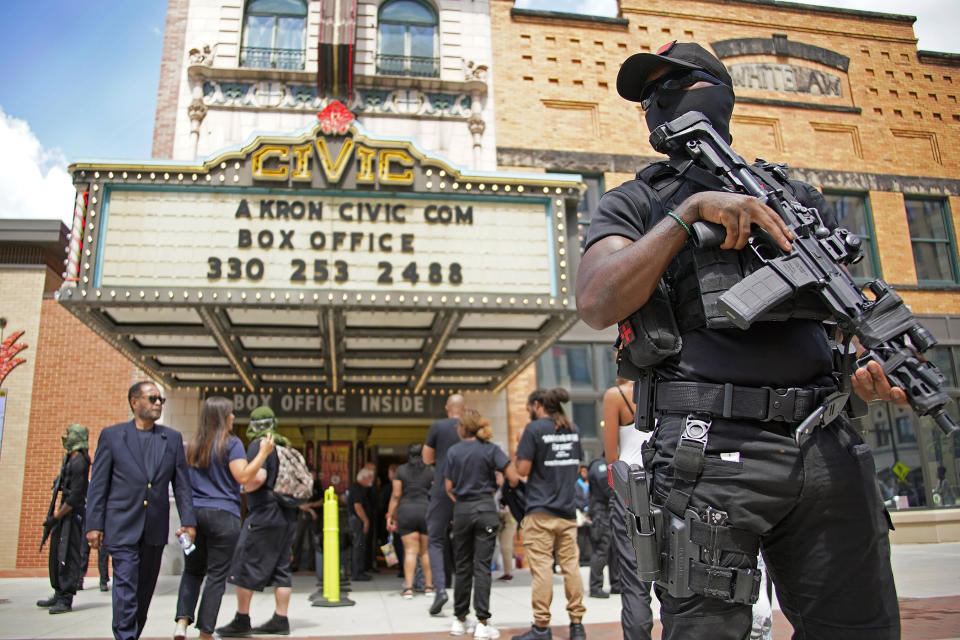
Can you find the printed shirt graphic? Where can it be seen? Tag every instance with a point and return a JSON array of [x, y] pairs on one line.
[[552, 483]]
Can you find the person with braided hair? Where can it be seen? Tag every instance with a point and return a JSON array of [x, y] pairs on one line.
[[549, 455], [471, 481]]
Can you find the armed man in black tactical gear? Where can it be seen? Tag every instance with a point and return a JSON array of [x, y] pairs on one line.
[[64, 524], [727, 474]]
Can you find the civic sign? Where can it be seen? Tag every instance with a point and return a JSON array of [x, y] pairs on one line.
[[325, 212]]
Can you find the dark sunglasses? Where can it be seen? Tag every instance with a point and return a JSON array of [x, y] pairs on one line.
[[155, 399], [679, 79]]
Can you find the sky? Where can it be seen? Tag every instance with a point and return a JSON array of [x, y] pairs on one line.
[[81, 83]]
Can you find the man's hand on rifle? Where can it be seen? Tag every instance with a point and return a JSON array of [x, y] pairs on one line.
[[870, 383], [736, 213]]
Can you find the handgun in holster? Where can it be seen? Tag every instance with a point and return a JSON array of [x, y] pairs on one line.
[[644, 521]]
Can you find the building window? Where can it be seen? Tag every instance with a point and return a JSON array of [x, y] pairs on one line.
[[934, 250], [585, 370], [853, 214], [407, 32], [274, 34]]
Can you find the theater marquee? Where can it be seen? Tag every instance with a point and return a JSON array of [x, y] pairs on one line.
[[327, 257]]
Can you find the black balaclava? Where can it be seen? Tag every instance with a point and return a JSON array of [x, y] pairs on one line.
[[715, 102]]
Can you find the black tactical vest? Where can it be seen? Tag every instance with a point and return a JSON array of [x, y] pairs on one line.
[[697, 277]]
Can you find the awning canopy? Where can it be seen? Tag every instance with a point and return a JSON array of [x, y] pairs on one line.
[[326, 260]]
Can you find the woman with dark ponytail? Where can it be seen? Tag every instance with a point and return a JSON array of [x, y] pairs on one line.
[[218, 468], [406, 515], [471, 481], [549, 455]]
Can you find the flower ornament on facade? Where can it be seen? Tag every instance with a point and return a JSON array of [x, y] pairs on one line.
[[8, 351], [335, 118]]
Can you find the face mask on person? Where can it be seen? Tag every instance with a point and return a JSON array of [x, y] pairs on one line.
[[715, 102], [75, 438]]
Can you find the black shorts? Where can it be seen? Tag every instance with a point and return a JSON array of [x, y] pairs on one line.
[[411, 518], [262, 556]]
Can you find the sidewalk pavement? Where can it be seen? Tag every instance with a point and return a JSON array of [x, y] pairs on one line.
[[928, 583]]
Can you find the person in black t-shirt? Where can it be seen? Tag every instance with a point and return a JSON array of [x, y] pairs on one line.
[[441, 436], [361, 521], [262, 555], [406, 515], [549, 455], [65, 523], [471, 481], [728, 462]]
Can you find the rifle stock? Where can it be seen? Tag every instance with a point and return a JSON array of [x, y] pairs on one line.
[[885, 327]]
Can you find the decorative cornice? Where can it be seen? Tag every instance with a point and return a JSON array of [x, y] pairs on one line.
[[366, 101]]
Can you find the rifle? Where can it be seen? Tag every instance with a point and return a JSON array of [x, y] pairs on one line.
[[53, 502], [887, 330]]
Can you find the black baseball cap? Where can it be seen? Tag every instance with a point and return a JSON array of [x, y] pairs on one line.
[[689, 55]]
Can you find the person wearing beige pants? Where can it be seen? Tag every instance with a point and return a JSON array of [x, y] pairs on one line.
[[508, 530], [542, 535], [549, 454]]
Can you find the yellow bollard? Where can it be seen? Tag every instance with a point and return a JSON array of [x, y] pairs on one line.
[[331, 554]]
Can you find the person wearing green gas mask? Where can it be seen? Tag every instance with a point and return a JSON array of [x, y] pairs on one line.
[[64, 524], [262, 555]]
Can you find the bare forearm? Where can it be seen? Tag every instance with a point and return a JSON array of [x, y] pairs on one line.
[[617, 276]]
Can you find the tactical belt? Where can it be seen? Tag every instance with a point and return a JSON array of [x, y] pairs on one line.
[[744, 403]]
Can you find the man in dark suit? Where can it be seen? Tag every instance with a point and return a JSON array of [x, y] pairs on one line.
[[128, 508]]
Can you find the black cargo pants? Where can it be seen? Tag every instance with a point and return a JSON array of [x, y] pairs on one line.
[[822, 525], [475, 526]]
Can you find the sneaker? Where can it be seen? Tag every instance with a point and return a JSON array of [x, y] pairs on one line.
[[438, 601], [180, 633], [60, 607], [458, 628], [279, 625], [600, 594], [485, 631], [104, 586], [49, 602], [239, 627], [535, 633], [577, 632]]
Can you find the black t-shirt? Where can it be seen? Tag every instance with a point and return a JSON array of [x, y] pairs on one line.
[[600, 491], [74, 482], [416, 480], [778, 354], [555, 458], [357, 494], [262, 506], [442, 435], [471, 467]]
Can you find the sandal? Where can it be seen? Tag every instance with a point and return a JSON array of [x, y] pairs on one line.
[[430, 591], [407, 593]]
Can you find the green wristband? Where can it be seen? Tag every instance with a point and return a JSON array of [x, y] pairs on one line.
[[682, 223]]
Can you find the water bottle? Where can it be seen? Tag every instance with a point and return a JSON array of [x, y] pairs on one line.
[[186, 543]]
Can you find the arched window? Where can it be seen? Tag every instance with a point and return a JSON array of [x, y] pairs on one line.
[[407, 31], [273, 34]]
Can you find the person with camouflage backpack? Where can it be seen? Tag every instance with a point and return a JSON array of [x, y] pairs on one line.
[[262, 556]]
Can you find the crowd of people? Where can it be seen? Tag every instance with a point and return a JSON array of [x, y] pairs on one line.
[[445, 511]]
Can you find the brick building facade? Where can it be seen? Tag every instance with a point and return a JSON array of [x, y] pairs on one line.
[[843, 97]]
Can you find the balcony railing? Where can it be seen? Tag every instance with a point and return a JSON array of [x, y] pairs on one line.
[[262, 58], [419, 67]]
